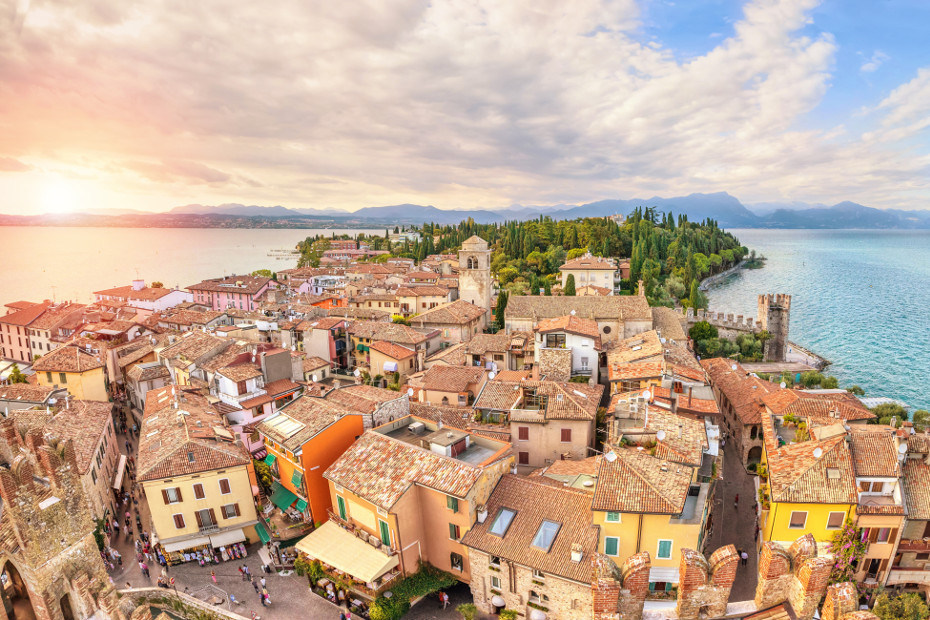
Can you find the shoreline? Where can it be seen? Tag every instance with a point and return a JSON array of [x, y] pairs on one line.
[[709, 280]]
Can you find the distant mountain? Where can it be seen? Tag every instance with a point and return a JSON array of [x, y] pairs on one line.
[[417, 214], [727, 210], [766, 208], [236, 209], [846, 215]]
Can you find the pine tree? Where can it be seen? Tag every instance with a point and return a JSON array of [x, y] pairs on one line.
[[500, 309], [570, 285]]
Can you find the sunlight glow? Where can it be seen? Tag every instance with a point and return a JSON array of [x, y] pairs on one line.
[[59, 196]]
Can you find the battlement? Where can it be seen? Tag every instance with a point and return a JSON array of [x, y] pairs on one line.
[[724, 320], [775, 300]]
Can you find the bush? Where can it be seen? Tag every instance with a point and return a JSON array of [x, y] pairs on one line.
[[426, 580], [468, 611], [388, 608], [508, 614], [902, 607], [702, 330]]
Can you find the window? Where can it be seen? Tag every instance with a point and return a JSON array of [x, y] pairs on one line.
[[555, 341], [495, 582], [494, 561], [584, 363], [523, 458], [224, 486], [566, 435], [452, 503], [93, 475], [612, 545], [231, 511], [171, 495], [606, 329], [798, 519], [546, 534], [179, 521], [198, 491], [884, 535], [534, 597], [454, 531], [240, 387], [385, 532], [48, 377], [205, 518], [62, 377], [613, 517], [523, 433], [502, 521], [664, 551], [457, 561], [341, 503], [538, 575], [835, 520]]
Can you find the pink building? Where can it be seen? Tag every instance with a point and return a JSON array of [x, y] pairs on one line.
[[240, 292]]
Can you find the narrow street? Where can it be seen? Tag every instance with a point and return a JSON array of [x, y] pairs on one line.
[[737, 525]]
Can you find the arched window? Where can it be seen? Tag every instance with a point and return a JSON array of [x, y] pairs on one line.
[[471, 263], [445, 400]]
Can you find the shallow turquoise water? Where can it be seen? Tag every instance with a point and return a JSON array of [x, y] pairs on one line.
[[859, 298]]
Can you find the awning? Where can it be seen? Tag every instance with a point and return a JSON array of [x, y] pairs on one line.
[[297, 479], [301, 505], [269, 460], [361, 347], [227, 538], [390, 366], [120, 470], [336, 547], [282, 497], [262, 532], [663, 574], [186, 544]]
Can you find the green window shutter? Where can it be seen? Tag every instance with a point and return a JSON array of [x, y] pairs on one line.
[[613, 517], [452, 531], [385, 533], [665, 549], [452, 503], [342, 507], [610, 545]]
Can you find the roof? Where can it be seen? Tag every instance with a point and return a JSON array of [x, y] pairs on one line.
[[685, 437], [874, 452], [362, 398], [241, 372], [589, 262], [744, 392], [56, 315], [28, 392], [380, 469], [173, 443], [301, 420], [667, 322], [571, 324], [636, 348], [457, 312], [534, 500], [20, 305], [391, 332], [394, 351], [26, 316], [84, 422], [806, 404], [442, 378], [590, 289], [193, 345], [313, 362], [612, 308], [482, 343], [474, 243], [917, 486], [638, 482], [325, 322], [250, 285], [272, 391], [146, 293], [453, 356], [579, 401], [422, 291], [797, 475], [67, 359], [148, 372], [635, 370]]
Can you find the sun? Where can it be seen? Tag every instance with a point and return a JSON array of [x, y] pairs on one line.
[[59, 196]]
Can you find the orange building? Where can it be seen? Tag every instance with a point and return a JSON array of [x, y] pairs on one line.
[[303, 439]]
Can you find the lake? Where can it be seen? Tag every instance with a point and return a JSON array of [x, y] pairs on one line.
[[70, 262], [859, 298]]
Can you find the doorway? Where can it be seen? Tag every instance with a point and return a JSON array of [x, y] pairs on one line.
[[15, 596]]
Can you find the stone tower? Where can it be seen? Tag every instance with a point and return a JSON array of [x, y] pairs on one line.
[[475, 272], [774, 312]]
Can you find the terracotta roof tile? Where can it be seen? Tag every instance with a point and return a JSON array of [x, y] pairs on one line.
[[241, 372], [588, 263], [565, 401], [84, 422], [67, 359], [250, 285], [798, 475], [394, 351], [874, 452], [637, 482], [458, 312], [26, 392], [362, 398], [444, 378], [26, 316], [615, 307], [571, 324], [314, 414]]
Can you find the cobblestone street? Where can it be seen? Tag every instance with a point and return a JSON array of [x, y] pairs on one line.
[[737, 526]]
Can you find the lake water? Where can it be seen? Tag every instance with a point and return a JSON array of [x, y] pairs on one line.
[[71, 263], [859, 298]]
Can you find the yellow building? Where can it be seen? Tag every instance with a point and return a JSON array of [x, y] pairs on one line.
[[71, 367], [644, 503], [198, 483], [808, 486]]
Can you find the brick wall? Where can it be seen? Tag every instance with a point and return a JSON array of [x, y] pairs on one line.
[[705, 584]]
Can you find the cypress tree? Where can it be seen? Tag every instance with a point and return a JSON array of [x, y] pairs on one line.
[[500, 309], [570, 285]]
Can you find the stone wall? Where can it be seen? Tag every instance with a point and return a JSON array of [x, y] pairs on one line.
[[388, 412], [796, 576], [555, 364], [704, 585], [620, 593]]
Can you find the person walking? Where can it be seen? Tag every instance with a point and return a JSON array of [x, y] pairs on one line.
[[255, 585], [213, 575], [744, 557], [736, 501], [262, 580]]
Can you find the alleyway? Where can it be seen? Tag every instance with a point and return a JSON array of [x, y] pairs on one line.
[[736, 526]]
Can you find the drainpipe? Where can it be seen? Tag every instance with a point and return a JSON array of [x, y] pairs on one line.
[[639, 533], [400, 545]]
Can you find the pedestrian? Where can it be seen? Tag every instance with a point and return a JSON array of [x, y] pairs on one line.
[[242, 573], [213, 575], [245, 569], [736, 501], [255, 585], [261, 597], [745, 558], [342, 616], [262, 580], [444, 598]]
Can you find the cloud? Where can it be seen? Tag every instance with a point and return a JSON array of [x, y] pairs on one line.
[[458, 103], [8, 164], [876, 61]]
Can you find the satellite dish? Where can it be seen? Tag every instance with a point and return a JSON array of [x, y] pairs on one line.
[[313, 377], [491, 376], [647, 395], [572, 313], [660, 435], [902, 449], [52, 401], [733, 367], [357, 372], [783, 385], [610, 456], [409, 391], [818, 452]]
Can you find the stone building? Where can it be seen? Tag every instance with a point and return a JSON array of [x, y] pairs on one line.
[[774, 313], [475, 272], [49, 562]]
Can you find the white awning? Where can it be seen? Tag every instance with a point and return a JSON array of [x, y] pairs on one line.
[[186, 544], [227, 538], [332, 545], [658, 573], [390, 366], [120, 470]]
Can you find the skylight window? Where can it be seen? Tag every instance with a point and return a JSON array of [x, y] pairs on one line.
[[545, 535], [502, 521]]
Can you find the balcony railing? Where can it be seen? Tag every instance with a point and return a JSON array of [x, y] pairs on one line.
[[209, 529], [359, 532], [919, 545], [899, 575], [581, 372]]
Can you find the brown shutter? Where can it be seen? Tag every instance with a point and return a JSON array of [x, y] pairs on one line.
[[199, 520], [180, 497], [179, 521], [873, 534], [224, 486], [238, 514], [198, 491], [164, 496], [892, 535], [213, 517]]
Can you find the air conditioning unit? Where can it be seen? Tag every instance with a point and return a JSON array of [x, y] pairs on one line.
[[417, 428]]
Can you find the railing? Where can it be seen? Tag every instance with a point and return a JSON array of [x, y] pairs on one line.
[[899, 575], [209, 529], [581, 372], [354, 530], [920, 545]]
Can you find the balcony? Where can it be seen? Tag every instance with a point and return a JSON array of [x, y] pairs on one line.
[[359, 532], [900, 576], [918, 545], [581, 372]]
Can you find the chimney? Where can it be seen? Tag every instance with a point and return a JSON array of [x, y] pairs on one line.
[[138, 285], [577, 553], [336, 384], [690, 392], [680, 431], [482, 513]]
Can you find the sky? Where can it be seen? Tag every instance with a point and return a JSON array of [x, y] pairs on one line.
[[461, 104]]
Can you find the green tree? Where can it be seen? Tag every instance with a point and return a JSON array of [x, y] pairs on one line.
[[570, 285], [507, 275], [908, 606], [855, 389], [262, 273], [886, 411], [500, 309], [702, 330], [575, 253], [830, 383], [16, 375], [468, 611], [400, 319], [921, 419], [157, 284]]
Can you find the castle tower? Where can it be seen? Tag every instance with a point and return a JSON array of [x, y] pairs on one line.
[[475, 272], [773, 315]]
